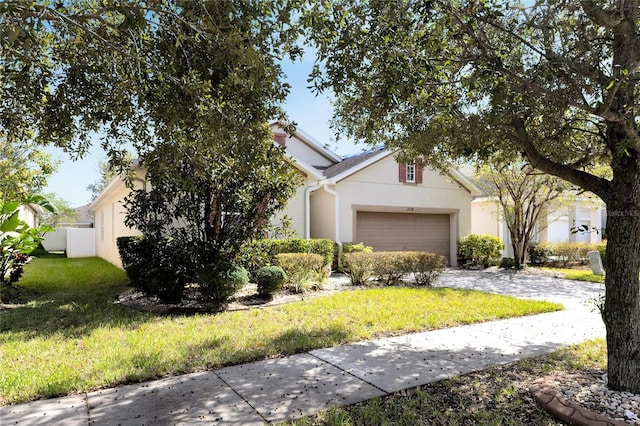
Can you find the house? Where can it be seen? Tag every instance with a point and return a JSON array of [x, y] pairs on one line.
[[30, 214], [581, 219], [368, 197]]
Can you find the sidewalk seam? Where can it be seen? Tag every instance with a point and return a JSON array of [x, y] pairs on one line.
[[349, 373], [240, 396]]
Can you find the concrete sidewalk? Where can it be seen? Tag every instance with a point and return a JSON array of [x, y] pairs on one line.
[[300, 385]]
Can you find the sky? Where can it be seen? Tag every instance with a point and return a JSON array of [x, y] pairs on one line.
[[311, 113]]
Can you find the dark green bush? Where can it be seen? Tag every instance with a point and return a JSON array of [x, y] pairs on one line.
[[218, 282], [139, 256], [480, 250], [269, 279], [539, 253], [166, 283], [507, 263], [305, 271], [359, 266], [427, 267]]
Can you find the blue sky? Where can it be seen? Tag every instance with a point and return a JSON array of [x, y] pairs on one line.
[[311, 113]]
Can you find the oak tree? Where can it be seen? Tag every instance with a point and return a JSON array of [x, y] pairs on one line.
[[556, 82]]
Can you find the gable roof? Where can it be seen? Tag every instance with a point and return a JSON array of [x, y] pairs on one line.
[[350, 162]]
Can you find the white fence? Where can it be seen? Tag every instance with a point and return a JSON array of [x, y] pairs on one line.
[[77, 242]]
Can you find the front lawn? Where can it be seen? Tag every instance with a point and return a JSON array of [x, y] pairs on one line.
[[73, 338], [578, 274]]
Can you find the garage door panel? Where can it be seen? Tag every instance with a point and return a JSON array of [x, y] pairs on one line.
[[404, 231]]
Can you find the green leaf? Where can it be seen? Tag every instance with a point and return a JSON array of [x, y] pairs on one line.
[[610, 85], [11, 223]]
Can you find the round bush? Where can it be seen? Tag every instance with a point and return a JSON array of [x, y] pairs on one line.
[[218, 282], [165, 283], [269, 279]]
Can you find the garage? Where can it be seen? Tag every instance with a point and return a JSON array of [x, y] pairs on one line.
[[385, 231]]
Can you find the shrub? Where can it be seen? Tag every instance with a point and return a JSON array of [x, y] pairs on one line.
[[359, 266], [349, 248], [305, 271], [480, 250], [539, 253], [270, 279], [390, 266], [166, 283], [137, 256], [507, 263], [428, 267], [218, 282], [259, 253], [566, 252]]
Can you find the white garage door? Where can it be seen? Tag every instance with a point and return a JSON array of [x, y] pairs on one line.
[[404, 232]]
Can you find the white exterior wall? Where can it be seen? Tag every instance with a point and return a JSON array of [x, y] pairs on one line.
[[109, 212], [376, 188], [28, 214], [295, 211]]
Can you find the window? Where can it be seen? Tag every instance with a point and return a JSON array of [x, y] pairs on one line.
[[410, 172]]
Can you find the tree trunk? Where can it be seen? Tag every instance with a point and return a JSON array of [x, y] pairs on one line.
[[621, 313]]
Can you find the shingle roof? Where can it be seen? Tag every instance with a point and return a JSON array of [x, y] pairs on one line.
[[349, 163]]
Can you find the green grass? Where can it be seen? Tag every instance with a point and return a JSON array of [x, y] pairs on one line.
[[497, 396], [73, 338], [578, 274]]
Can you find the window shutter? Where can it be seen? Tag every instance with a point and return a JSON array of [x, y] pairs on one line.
[[402, 173], [280, 138], [418, 170]]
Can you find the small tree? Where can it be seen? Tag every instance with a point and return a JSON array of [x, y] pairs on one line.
[[524, 194], [64, 212]]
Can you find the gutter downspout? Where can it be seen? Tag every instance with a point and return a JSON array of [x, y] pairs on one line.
[[307, 208], [337, 220]]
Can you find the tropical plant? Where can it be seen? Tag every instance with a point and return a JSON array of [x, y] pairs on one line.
[[17, 238]]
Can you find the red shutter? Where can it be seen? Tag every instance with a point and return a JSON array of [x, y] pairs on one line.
[[280, 138], [402, 173], [418, 170]]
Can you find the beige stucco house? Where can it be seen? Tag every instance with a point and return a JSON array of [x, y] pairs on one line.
[[563, 224], [368, 197]]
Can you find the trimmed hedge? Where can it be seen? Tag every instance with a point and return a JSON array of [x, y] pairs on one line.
[[359, 266], [564, 252], [259, 253], [346, 249], [391, 267], [480, 250], [305, 271]]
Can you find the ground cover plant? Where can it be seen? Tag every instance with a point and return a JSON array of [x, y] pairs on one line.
[[496, 396], [72, 337]]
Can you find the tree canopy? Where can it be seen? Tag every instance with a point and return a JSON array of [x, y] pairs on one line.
[[24, 169], [553, 81]]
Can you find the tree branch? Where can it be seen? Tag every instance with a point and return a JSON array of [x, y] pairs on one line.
[[598, 186]]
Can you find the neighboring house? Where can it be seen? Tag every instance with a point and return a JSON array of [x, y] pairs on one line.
[[367, 198], [560, 225], [30, 214], [84, 219]]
